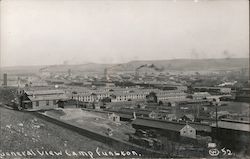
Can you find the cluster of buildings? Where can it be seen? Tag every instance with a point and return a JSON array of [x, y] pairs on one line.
[[232, 134], [213, 90], [127, 94], [175, 111], [33, 99]]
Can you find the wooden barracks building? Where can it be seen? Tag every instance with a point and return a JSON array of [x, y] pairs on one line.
[[41, 99]]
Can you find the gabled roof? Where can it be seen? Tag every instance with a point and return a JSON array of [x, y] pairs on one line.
[[48, 97], [43, 92]]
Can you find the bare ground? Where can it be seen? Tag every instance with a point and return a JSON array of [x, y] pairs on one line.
[[21, 131]]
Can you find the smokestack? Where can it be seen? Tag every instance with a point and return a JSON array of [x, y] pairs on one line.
[[69, 72], [136, 74], [106, 74], [5, 79], [249, 66]]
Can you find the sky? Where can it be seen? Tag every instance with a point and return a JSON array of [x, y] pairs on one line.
[[47, 32]]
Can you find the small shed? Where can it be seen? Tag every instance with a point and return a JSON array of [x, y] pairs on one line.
[[188, 131], [171, 117], [188, 117], [153, 115], [114, 117]]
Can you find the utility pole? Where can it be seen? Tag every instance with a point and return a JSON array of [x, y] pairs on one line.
[[216, 117], [198, 111], [77, 102], [216, 104]]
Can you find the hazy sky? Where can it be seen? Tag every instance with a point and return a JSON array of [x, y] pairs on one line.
[[35, 32]]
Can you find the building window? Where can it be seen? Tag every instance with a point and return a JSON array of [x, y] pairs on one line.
[[47, 102], [54, 102], [37, 103]]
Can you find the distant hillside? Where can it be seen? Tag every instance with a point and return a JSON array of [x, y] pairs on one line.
[[194, 64], [90, 67], [157, 65], [21, 69]]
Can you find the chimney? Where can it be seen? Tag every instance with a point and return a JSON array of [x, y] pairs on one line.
[[5, 79]]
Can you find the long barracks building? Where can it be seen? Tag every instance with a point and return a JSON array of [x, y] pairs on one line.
[[128, 95]]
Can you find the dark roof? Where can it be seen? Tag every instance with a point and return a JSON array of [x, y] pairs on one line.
[[127, 116], [212, 87], [164, 125], [137, 111], [233, 125], [69, 101], [201, 127], [205, 118], [189, 116], [236, 121], [170, 125]]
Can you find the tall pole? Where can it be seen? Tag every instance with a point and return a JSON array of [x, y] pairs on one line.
[[198, 110], [217, 103], [216, 117], [77, 102]]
